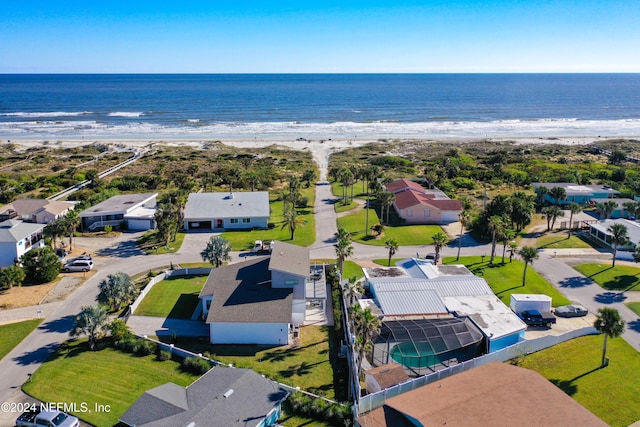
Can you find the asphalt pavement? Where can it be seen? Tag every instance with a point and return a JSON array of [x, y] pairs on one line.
[[121, 255]]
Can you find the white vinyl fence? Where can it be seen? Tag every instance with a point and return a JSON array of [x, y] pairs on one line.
[[375, 400]]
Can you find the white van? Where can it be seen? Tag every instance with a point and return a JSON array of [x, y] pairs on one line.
[[78, 265]]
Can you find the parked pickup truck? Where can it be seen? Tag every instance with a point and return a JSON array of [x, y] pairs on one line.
[[39, 418], [537, 318]]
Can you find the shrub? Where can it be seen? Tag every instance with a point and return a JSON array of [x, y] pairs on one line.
[[196, 365], [145, 347], [163, 355], [319, 409]]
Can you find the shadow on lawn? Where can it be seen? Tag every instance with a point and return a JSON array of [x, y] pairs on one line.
[[568, 386], [623, 282]]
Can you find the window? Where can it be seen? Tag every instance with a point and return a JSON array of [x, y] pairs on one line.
[[427, 212], [291, 282], [409, 213], [246, 220], [234, 220]]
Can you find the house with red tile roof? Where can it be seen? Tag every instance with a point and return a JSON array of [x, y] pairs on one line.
[[417, 205]]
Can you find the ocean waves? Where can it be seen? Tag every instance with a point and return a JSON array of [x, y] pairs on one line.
[[193, 128]]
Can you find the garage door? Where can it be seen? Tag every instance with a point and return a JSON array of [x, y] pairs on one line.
[[199, 225]]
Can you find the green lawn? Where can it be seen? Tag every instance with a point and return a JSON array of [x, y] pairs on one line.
[[150, 243], [352, 269], [507, 279], [339, 207], [307, 366], [405, 235], [560, 240], [104, 377], [618, 278], [304, 235], [610, 393], [173, 298], [13, 333], [385, 261], [634, 306]]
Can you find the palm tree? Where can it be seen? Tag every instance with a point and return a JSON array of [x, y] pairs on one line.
[[342, 233], [465, 217], [619, 236], [513, 249], [439, 240], [351, 290], [552, 213], [392, 247], [528, 255], [507, 236], [495, 225], [368, 174], [292, 220], [605, 209], [117, 290], [70, 222], [558, 194], [574, 208], [344, 249], [630, 209], [611, 325], [217, 251], [366, 325], [91, 321], [540, 193], [385, 199]]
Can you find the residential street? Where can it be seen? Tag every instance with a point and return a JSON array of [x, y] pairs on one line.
[[123, 256]]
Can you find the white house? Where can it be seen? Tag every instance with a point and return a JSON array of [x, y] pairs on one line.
[[262, 300], [17, 238], [135, 211], [227, 211], [600, 231]]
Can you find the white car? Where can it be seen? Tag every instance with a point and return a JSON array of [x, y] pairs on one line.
[[78, 265]]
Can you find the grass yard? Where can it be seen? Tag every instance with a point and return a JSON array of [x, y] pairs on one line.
[[352, 269], [176, 298], [305, 234], [385, 261], [507, 279], [105, 377], [618, 278], [560, 240], [610, 393], [151, 244], [13, 333], [634, 306], [405, 235], [339, 207], [307, 366]]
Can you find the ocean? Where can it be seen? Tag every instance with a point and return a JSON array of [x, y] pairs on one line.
[[291, 106]]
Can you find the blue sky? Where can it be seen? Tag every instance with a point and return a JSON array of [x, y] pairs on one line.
[[245, 36]]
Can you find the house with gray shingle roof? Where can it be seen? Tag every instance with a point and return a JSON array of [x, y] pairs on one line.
[[41, 211], [227, 211], [262, 300], [223, 397]]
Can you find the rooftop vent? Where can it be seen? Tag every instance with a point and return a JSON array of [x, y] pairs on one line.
[[228, 393]]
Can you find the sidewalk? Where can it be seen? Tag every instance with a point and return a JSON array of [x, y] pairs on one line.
[[25, 313]]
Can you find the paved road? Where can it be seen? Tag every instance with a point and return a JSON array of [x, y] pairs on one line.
[[122, 255]]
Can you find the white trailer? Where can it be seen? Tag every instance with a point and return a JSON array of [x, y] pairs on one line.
[[522, 302]]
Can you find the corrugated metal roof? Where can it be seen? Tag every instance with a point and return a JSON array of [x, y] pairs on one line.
[[460, 286], [421, 301]]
